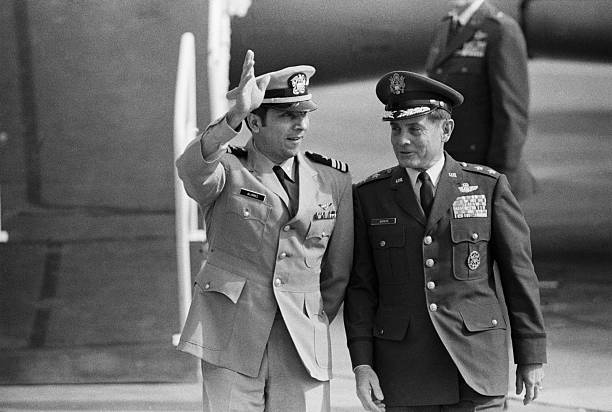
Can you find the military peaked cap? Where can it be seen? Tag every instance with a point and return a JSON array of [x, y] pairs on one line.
[[408, 95]]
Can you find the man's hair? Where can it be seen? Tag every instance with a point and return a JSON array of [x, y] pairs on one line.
[[261, 111], [438, 114]]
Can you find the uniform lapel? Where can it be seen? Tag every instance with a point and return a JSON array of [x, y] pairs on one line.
[[456, 42], [464, 34], [308, 186], [446, 191], [404, 194], [262, 168], [439, 42]]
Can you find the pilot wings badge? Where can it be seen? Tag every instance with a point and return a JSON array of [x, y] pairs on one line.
[[466, 188], [325, 211]]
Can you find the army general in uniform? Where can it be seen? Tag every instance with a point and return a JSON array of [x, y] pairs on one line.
[[426, 327], [280, 229], [481, 52]]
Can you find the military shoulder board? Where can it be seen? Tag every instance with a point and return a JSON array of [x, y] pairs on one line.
[[485, 170], [239, 152], [336, 164], [376, 176]]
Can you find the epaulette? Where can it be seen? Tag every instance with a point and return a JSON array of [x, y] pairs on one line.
[[238, 151], [336, 164], [485, 170], [376, 176]]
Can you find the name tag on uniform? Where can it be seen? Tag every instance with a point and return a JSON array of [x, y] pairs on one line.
[[383, 221], [253, 195], [470, 206]]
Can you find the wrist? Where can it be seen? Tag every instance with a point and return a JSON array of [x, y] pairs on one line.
[[234, 119], [361, 367]]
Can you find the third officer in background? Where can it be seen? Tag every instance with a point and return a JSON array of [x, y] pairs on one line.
[[481, 52], [425, 325]]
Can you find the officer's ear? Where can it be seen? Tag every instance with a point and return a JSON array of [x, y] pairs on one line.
[[254, 122], [447, 129]]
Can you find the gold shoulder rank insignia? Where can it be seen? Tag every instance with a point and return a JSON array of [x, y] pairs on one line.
[[328, 161], [479, 169]]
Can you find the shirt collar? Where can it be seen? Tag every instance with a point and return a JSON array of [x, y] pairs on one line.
[[288, 167], [262, 164], [467, 14], [433, 172]]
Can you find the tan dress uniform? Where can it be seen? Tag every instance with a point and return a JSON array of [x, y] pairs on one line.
[[263, 264]]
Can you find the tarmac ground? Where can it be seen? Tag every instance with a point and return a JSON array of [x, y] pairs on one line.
[[98, 339]]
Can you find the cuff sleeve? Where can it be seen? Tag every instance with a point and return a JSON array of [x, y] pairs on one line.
[[361, 352], [529, 350], [213, 142]]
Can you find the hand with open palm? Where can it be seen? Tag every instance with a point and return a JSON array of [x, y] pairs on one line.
[[249, 93]]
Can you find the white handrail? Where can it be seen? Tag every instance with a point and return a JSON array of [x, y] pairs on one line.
[[185, 130], [3, 234], [185, 121]]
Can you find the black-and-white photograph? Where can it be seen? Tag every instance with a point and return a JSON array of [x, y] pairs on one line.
[[306, 206]]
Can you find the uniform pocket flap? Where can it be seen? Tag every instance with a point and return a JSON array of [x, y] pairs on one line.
[[389, 236], [214, 279], [314, 304], [391, 328], [248, 208], [477, 318], [469, 230], [320, 229]]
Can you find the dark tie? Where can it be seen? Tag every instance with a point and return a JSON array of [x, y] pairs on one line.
[[281, 175], [427, 192], [453, 28]]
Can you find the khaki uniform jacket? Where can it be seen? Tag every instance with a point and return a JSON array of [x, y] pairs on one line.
[[487, 62], [423, 304], [260, 260]]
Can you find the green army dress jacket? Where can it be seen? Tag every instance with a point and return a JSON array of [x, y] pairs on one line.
[[423, 305]]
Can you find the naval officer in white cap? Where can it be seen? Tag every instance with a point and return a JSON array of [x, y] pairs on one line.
[[280, 229]]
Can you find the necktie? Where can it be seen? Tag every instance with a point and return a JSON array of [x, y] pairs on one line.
[[453, 28], [280, 174], [427, 192]]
